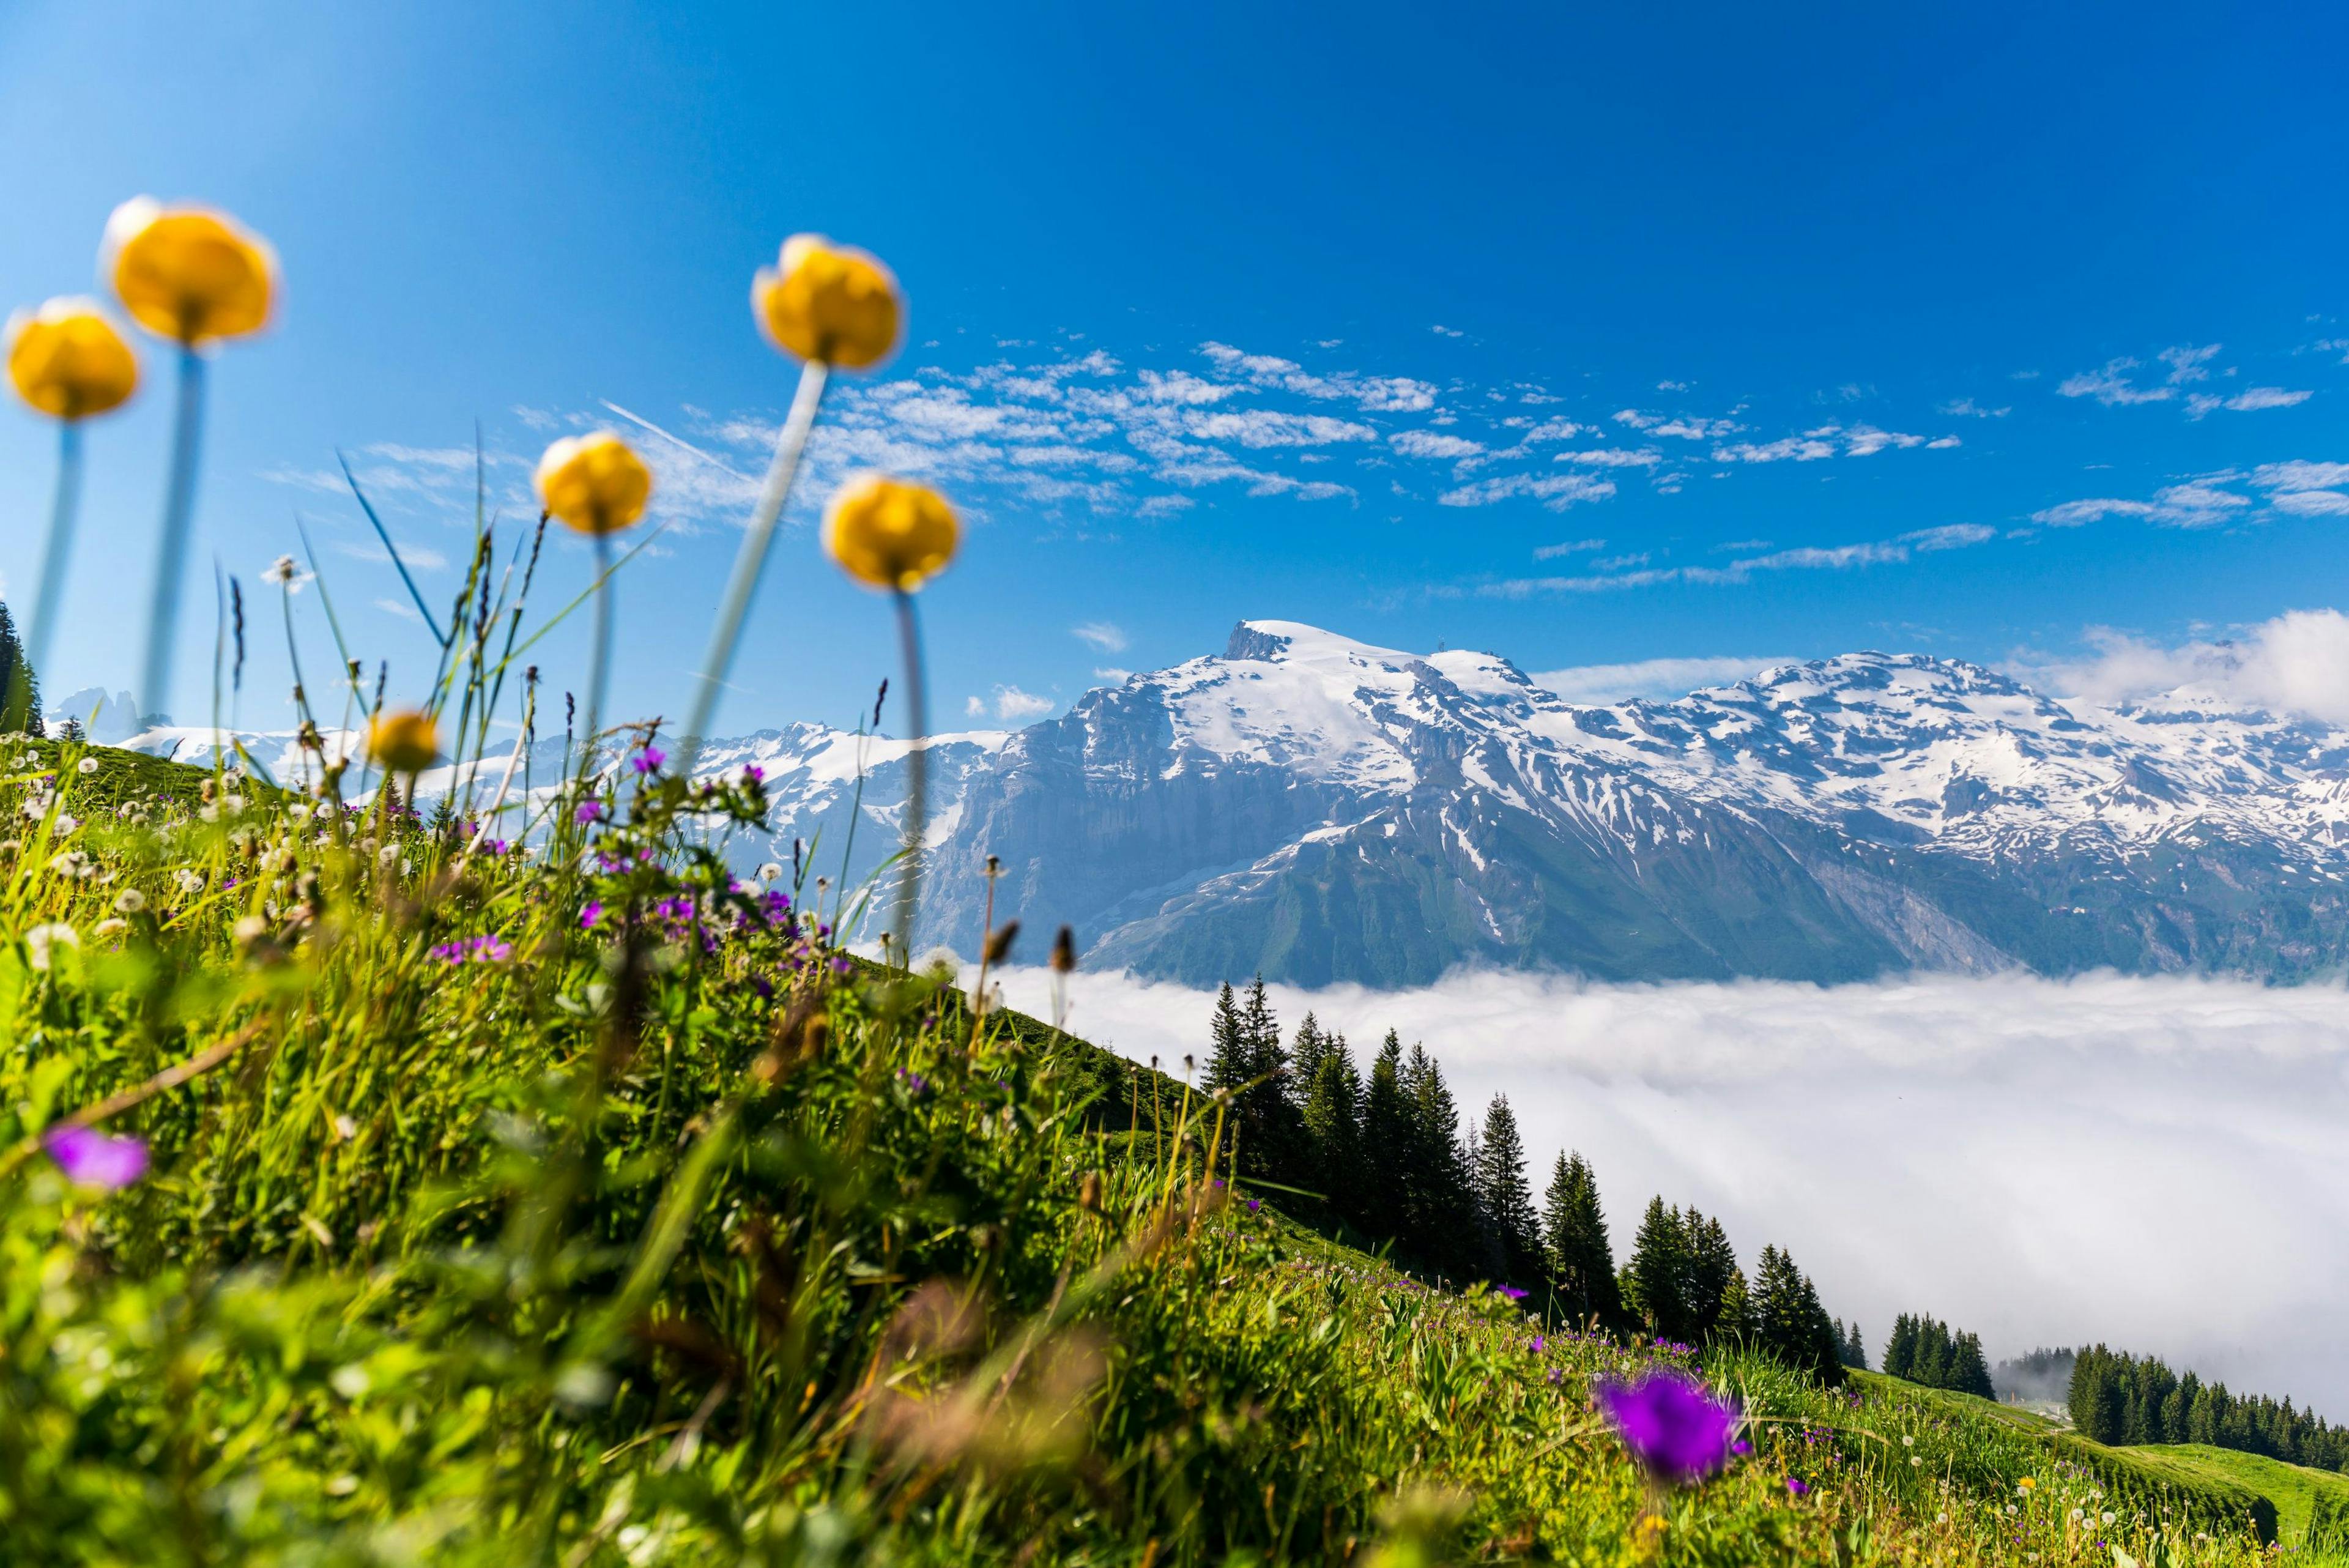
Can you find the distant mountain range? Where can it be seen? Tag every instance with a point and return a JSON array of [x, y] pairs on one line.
[[1320, 810]]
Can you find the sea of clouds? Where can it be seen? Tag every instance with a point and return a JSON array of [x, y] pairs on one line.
[[2159, 1164]]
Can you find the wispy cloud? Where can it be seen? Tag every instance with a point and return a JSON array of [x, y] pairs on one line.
[[1100, 634], [1655, 678], [1833, 558], [1009, 704], [2116, 384], [2297, 663], [2291, 489], [420, 558]]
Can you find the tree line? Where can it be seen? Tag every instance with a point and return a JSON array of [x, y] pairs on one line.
[[1924, 1349], [1389, 1156], [2122, 1399]]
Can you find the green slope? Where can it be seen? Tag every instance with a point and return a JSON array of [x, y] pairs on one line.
[[2294, 1488]]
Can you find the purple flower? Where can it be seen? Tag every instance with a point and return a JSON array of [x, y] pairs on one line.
[[1797, 1488], [1538, 1345], [590, 913], [754, 772], [589, 811], [648, 760], [1741, 1447], [1675, 1429], [1254, 1204], [93, 1159], [1514, 1293], [479, 949]]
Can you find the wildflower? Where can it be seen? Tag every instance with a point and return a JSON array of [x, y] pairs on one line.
[[90, 1158], [2024, 1488], [833, 303], [403, 742], [189, 881], [109, 927], [648, 760], [284, 574], [2107, 1516], [889, 534], [1797, 1487], [40, 939], [1511, 1292], [87, 766], [130, 901], [770, 872], [589, 913], [66, 823], [595, 483], [1914, 1461], [189, 273], [67, 360], [1675, 1429], [72, 864]]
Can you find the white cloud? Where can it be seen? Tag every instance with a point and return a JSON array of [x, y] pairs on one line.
[[1449, 332], [2064, 1135], [1656, 679], [2296, 488], [2296, 663], [1611, 457], [1570, 547], [1556, 491], [2111, 386], [2187, 363], [420, 558], [1831, 558], [1672, 386], [1102, 634], [1113, 675], [1012, 704], [1430, 443], [1966, 408], [2250, 400], [399, 608]]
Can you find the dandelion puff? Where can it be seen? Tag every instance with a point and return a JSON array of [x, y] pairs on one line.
[[112, 925], [130, 901], [87, 766], [40, 940]]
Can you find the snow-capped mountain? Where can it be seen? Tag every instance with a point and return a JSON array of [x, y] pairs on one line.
[[1317, 809], [1320, 810]]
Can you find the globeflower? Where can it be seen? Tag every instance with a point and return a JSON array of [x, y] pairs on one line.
[[889, 534], [833, 304], [1676, 1430], [189, 273], [595, 484], [67, 360], [404, 742]]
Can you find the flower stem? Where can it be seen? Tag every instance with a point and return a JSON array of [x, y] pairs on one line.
[[60, 547], [917, 770], [600, 662], [171, 555], [751, 558]]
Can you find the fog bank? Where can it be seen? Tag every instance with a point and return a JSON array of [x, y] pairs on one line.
[[2159, 1164]]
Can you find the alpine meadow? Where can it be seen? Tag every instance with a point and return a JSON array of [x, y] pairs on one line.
[[924, 928]]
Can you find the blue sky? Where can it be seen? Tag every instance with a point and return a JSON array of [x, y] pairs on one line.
[[1593, 340]]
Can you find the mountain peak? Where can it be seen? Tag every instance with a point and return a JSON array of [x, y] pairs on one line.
[[1293, 641]]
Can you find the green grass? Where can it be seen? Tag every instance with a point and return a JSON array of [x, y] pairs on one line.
[[662, 1233], [2294, 1488]]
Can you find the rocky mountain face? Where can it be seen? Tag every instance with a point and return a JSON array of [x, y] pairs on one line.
[[1319, 810]]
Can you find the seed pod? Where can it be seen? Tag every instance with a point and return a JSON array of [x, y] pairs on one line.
[[1064, 951], [999, 940], [1089, 1192]]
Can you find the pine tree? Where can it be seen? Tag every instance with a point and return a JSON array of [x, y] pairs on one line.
[[1446, 1228], [1659, 1273], [1581, 1258], [20, 683], [1712, 1269], [1333, 1127], [1508, 1198], [1788, 1320], [1855, 1349], [1900, 1350], [1387, 1147], [1228, 1054]]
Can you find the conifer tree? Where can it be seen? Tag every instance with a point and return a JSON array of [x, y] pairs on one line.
[[1658, 1273], [1508, 1198], [1712, 1270], [20, 683], [1788, 1320], [1581, 1258], [1387, 1148], [1333, 1127], [1446, 1225]]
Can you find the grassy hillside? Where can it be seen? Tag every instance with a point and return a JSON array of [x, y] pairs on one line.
[[2294, 1488], [589, 1209]]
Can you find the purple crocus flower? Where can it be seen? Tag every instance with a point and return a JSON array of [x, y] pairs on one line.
[[90, 1158], [590, 913], [1676, 1429], [1797, 1488], [589, 811], [648, 760]]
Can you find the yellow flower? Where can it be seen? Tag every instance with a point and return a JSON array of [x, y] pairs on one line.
[[404, 741], [188, 273], [888, 534], [67, 359], [595, 483], [828, 302]]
